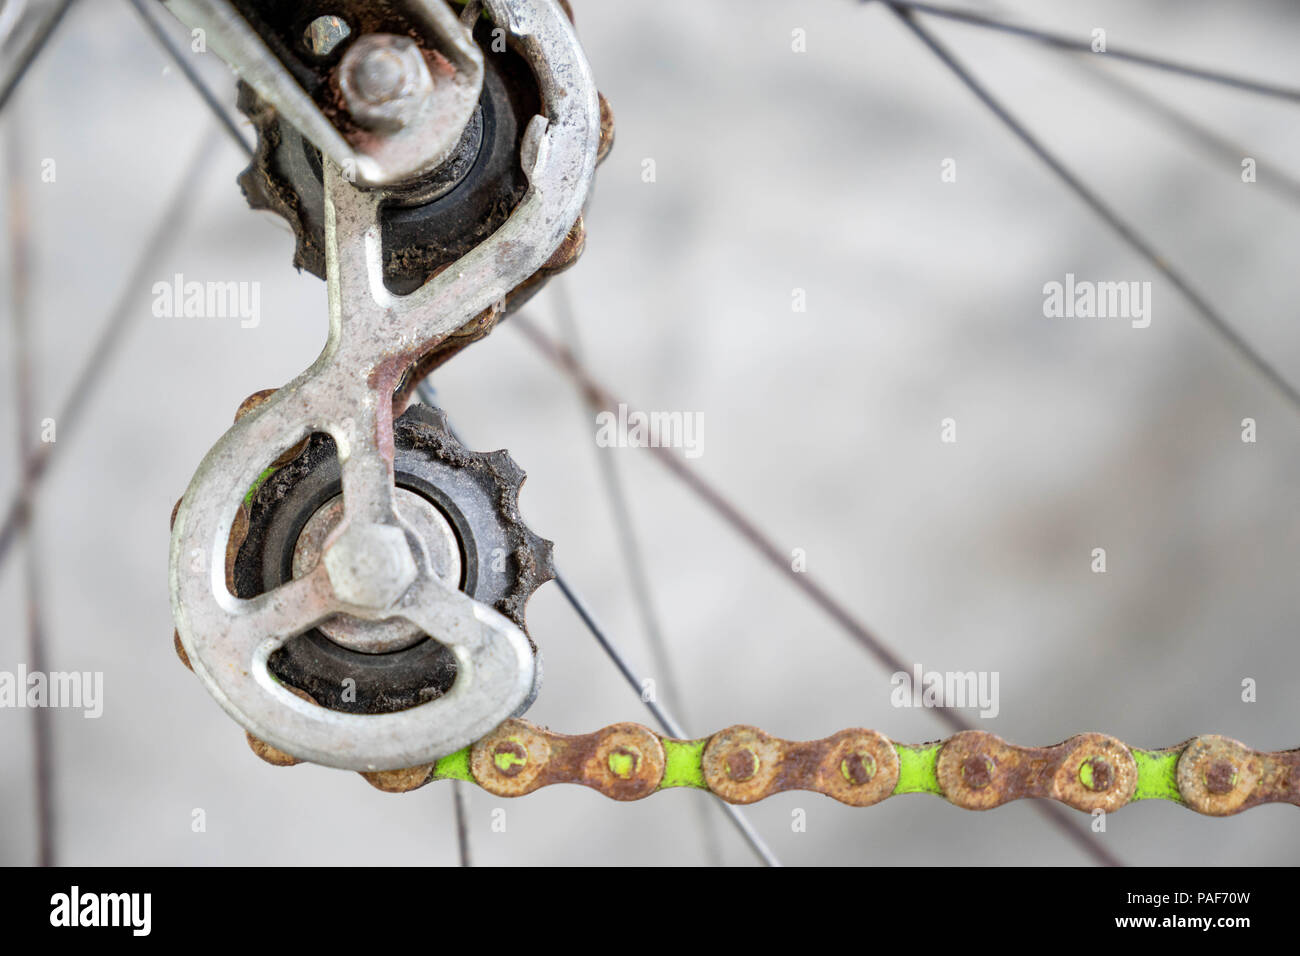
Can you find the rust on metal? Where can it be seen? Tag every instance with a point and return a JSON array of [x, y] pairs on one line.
[[254, 401], [741, 763], [606, 129], [509, 761], [975, 770], [1097, 773], [624, 761], [180, 650], [1218, 776], [979, 771], [858, 767], [274, 755], [399, 781]]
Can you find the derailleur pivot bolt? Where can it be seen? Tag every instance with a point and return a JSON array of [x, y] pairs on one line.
[[370, 565], [385, 81]]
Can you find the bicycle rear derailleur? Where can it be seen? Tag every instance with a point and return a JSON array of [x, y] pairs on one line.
[[347, 580]]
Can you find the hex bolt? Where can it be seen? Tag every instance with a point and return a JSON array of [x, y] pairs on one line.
[[624, 762], [1096, 774], [977, 771], [858, 767], [509, 757], [324, 34], [385, 81], [381, 77], [742, 764], [370, 565]]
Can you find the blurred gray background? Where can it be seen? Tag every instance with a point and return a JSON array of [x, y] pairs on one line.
[[775, 170]]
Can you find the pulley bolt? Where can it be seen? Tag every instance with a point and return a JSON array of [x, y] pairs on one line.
[[1096, 774], [858, 767], [385, 81], [509, 757], [742, 764], [370, 565], [380, 77], [977, 771]]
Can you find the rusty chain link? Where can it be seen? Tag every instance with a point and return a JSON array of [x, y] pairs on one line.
[[975, 770]]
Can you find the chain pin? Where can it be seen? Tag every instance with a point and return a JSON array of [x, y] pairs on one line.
[[624, 762], [1097, 774], [509, 757], [858, 767]]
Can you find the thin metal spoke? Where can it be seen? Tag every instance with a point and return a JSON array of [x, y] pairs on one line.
[[1193, 130], [600, 397], [629, 546], [1276, 179], [597, 394], [182, 60], [33, 49], [1099, 206], [665, 719], [124, 316], [460, 797], [1063, 42], [20, 302]]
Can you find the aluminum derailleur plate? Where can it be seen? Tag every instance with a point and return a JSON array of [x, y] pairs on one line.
[[376, 565]]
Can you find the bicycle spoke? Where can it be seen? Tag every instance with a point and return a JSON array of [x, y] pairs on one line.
[[599, 396], [428, 395], [120, 321], [665, 719], [33, 49], [1107, 214], [20, 301], [460, 797], [187, 68], [625, 532], [1062, 42], [1193, 130], [722, 506]]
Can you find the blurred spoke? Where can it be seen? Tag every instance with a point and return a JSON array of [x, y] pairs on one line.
[[1278, 179], [20, 302], [180, 58], [460, 796], [12, 72], [665, 720], [428, 395], [120, 321], [599, 396], [1062, 42], [635, 565], [1108, 215]]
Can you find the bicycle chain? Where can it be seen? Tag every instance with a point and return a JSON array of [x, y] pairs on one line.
[[975, 770]]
